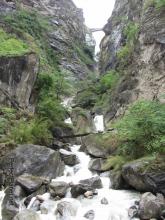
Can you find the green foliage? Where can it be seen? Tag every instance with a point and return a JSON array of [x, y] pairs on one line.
[[11, 46], [160, 3], [115, 163], [142, 129], [131, 33], [34, 131], [84, 54], [109, 80], [51, 109]]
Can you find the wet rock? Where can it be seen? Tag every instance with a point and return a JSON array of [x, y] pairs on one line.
[[90, 215], [96, 152], [27, 215], [67, 209], [151, 206], [104, 201], [47, 163], [133, 212], [163, 214], [69, 158], [35, 206], [94, 182], [79, 189], [97, 165], [46, 206], [117, 181], [11, 202], [88, 194], [57, 145], [58, 189], [138, 175], [62, 132], [29, 183]]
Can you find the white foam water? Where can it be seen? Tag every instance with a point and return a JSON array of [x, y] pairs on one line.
[[2, 194], [99, 123]]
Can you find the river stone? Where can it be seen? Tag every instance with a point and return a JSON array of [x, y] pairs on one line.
[[29, 183], [58, 188], [90, 215], [95, 151], [35, 160], [69, 158], [97, 165], [104, 201], [151, 206], [94, 182], [80, 189], [133, 212], [27, 215], [67, 209], [88, 194]]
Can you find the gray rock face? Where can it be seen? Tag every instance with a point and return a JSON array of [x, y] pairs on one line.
[[58, 189], [17, 78], [27, 215], [144, 180], [69, 158], [151, 206], [35, 160], [94, 182], [68, 33], [144, 75]]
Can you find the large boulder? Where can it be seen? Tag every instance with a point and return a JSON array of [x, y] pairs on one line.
[[97, 165], [35, 160], [94, 182], [27, 215], [145, 175], [151, 206], [96, 152], [58, 188], [68, 157], [117, 181]]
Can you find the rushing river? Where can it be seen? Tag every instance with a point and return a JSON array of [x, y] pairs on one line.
[[119, 201]]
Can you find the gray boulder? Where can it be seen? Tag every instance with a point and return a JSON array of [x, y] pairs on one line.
[[151, 206], [35, 160], [80, 189], [67, 209], [97, 165], [141, 176], [90, 215], [58, 189], [69, 158], [27, 215], [104, 201], [95, 151], [94, 182], [29, 183]]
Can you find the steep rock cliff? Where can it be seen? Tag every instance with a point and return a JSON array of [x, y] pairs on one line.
[[143, 74]]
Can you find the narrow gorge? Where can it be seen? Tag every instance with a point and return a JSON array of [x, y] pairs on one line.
[[82, 136]]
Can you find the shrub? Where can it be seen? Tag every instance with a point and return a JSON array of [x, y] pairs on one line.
[[142, 129], [34, 131], [160, 3], [10, 46], [109, 80], [115, 163], [51, 109]]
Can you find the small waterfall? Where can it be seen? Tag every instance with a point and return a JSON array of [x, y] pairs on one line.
[[2, 194], [99, 123]]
